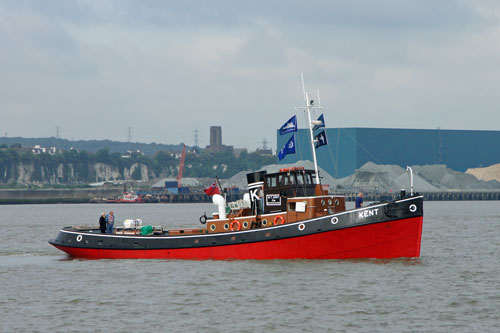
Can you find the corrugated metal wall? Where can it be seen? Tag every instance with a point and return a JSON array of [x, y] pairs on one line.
[[350, 148]]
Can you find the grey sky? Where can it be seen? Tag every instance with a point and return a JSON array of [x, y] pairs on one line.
[[164, 68]]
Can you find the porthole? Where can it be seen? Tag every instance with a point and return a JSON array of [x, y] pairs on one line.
[[329, 202], [245, 224], [302, 226], [334, 220], [413, 208], [226, 226], [212, 227], [337, 202], [264, 223], [79, 238]]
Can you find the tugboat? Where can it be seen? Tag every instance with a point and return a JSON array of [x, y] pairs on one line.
[[130, 197], [285, 215]]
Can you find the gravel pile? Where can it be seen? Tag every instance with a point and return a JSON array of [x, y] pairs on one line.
[[240, 179], [447, 179], [386, 178], [383, 178]]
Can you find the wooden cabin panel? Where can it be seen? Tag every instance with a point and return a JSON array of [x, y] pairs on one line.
[[314, 207], [178, 232], [247, 223], [301, 209], [225, 225], [329, 205]]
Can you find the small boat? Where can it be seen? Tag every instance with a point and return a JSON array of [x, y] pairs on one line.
[[285, 215], [130, 197]]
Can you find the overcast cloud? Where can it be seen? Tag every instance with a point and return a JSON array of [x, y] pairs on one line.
[[164, 68]]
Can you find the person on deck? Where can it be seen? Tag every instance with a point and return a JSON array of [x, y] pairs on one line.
[[261, 201], [110, 221], [359, 200], [102, 222]]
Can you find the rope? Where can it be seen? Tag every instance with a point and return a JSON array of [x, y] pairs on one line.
[[361, 146], [334, 162]]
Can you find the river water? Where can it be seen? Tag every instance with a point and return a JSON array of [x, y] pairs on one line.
[[453, 286]]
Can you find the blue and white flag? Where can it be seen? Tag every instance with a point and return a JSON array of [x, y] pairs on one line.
[[320, 139], [322, 120], [289, 126], [289, 148]]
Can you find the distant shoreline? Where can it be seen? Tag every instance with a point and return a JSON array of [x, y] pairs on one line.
[[51, 196], [58, 196]]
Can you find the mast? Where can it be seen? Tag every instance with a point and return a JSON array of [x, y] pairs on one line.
[[181, 166], [308, 107]]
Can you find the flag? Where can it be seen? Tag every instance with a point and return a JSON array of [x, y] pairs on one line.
[[289, 126], [322, 124], [213, 189], [289, 148], [320, 139]]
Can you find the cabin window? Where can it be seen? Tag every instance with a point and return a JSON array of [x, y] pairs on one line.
[[300, 179], [287, 180], [271, 182], [291, 206], [282, 179], [308, 178]]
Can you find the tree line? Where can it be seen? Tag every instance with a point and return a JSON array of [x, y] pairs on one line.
[[73, 166]]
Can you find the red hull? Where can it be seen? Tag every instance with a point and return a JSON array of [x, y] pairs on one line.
[[400, 238]]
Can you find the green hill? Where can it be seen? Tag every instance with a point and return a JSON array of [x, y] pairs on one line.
[[92, 146]]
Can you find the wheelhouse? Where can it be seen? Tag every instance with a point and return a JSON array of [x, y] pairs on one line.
[[287, 183]]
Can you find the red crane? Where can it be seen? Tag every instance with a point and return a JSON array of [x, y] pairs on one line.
[[181, 166]]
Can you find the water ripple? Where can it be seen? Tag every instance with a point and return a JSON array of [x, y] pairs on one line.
[[454, 286]]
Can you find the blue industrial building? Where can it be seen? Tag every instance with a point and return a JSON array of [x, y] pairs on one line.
[[349, 148]]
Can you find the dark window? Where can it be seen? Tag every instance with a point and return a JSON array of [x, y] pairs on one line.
[[271, 182], [283, 180], [300, 179]]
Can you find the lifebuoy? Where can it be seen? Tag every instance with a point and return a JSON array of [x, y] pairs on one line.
[[238, 225], [279, 217]]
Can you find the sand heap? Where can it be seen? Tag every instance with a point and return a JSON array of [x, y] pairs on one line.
[[447, 179], [489, 173]]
